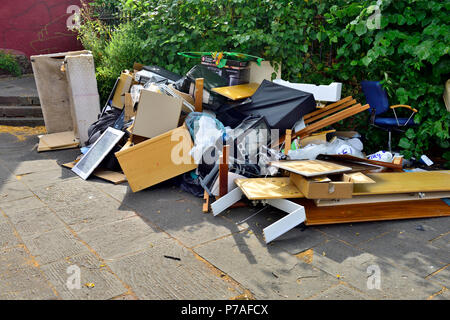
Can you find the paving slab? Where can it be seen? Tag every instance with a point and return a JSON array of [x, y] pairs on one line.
[[294, 241], [91, 271], [340, 292], [179, 214], [423, 229], [34, 222], [361, 270], [42, 178], [25, 283], [17, 206], [54, 245], [14, 191], [123, 237], [8, 237], [403, 249], [82, 216], [269, 273], [356, 233], [169, 271], [67, 192], [6, 175]]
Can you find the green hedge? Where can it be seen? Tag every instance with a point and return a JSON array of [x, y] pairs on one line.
[[316, 41]]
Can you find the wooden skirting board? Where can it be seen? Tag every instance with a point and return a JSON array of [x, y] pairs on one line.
[[373, 211]]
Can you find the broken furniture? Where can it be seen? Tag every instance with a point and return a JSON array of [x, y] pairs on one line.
[[157, 159], [279, 190], [323, 117], [83, 93], [377, 98], [69, 97]]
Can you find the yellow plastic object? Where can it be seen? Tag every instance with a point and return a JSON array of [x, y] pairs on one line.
[[237, 92]]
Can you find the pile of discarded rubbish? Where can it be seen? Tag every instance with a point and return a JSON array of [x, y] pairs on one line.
[[229, 133]]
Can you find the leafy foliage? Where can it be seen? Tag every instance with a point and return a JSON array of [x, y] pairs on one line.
[[9, 64], [315, 41]]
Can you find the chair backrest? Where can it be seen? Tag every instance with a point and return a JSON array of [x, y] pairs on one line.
[[376, 96]]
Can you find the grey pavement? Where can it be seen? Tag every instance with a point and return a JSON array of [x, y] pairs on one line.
[[157, 244]]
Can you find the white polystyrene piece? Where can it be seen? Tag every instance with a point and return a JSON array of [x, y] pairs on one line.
[[331, 93]]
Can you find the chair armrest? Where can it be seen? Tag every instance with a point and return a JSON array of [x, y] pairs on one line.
[[404, 106]]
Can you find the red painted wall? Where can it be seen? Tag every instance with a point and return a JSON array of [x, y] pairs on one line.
[[37, 26]]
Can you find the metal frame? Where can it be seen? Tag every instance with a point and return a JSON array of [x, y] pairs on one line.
[[83, 174]]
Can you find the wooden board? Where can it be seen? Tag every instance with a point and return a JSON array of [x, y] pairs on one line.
[[405, 182], [373, 211], [383, 198], [57, 141], [237, 92], [157, 159], [358, 177], [268, 188], [310, 168], [156, 114], [124, 85], [108, 175]]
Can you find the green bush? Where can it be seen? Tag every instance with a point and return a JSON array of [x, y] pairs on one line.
[[316, 41], [9, 64]]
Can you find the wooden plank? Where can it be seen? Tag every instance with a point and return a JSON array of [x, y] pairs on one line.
[[373, 211], [330, 120], [404, 182], [237, 92], [310, 168], [108, 175], [334, 110], [328, 107], [358, 177], [268, 188], [287, 141], [383, 198], [124, 85], [57, 141], [129, 107], [325, 122], [347, 157], [199, 83], [223, 171], [205, 207]]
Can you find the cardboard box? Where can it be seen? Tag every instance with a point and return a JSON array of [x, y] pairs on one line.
[[158, 159], [156, 113], [338, 186]]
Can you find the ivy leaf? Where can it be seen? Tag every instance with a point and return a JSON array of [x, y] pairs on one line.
[[360, 29], [404, 143]]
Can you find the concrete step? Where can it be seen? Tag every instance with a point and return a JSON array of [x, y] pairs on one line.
[[19, 101], [21, 111], [22, 121]]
